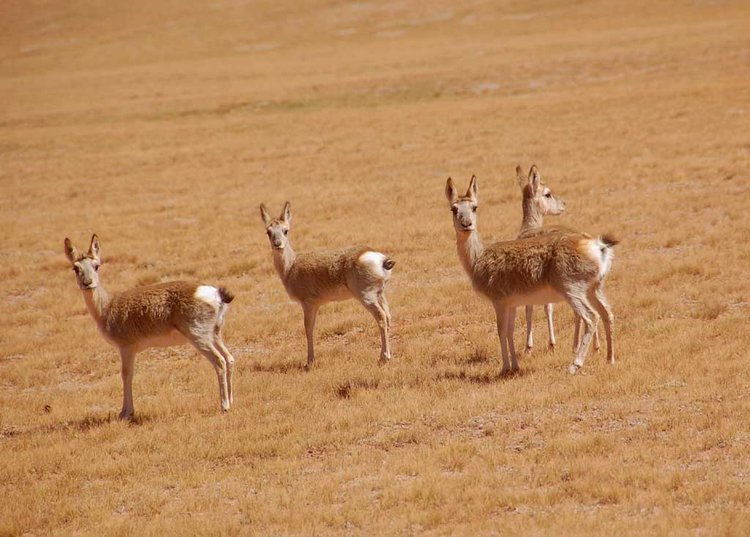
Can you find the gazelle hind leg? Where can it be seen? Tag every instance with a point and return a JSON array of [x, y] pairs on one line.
[[207, 348], [529, 329], [384, 304], [585, 312], [597, 346], [599, 301], [219, 343], [577, 335], [371, 302]]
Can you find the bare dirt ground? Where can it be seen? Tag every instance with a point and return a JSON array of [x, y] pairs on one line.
[[162, 126]]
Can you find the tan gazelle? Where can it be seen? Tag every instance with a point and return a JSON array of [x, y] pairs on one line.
[[316, 278], [546, 268], [537, 201], [159, 315]]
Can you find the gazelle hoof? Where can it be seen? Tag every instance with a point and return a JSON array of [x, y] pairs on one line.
[[125, 415], [551, 347], [528, 350], [573, 369]]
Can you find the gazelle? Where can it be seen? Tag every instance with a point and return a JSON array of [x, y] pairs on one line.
[[315, 278], [546, 268], [538, 201], [159, 315]]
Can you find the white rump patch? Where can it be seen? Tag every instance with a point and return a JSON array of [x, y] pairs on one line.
[[601, 254], [374, 261], [607, 255], [208, 294]]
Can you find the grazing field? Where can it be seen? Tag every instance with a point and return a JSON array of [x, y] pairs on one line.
[[162, 126]]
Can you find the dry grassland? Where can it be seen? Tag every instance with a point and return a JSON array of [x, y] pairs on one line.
[[162, 126]]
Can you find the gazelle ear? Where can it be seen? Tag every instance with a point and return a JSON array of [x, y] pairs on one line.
[[286, 214], [520, 177], [535, 180], [450, 191], [473, 191], [264, 215], [95, 249], [71, 252]]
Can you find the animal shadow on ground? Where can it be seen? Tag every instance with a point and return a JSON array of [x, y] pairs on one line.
[[347, 388], [481, 357], [87, 423], [276, 367]]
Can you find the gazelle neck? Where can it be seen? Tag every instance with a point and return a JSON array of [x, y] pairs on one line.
[[97, 301], [283, 260], [532, 217], [470, 247]]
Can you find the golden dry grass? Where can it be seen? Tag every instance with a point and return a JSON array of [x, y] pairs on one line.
[[162, 127]]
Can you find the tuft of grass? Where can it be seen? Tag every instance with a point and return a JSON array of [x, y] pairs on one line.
[[709, 310]]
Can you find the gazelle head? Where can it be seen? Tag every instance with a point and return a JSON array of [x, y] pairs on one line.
[[277, 229], [464, 207], [86, 266], [537, 193]]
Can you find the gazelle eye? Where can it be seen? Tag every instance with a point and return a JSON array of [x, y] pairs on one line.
[[548, 195], [96, 268], [286, 231], [454, 210], [474, 209], [268, 232]]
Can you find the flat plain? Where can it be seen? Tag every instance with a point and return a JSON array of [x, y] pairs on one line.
[[161, 126]]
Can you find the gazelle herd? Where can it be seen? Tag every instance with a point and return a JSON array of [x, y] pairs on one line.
[[542, 266]]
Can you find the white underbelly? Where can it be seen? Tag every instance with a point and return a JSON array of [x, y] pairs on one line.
[[334, 294], [340, 293], [540, 295], [170, 339]]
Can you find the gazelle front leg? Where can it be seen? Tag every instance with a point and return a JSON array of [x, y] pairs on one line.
[[548, 311], [529, 331], [310, 311], [510, 335], [127, 369], [501, 312]]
